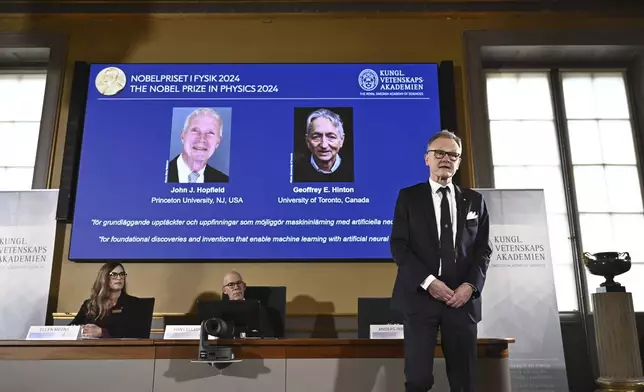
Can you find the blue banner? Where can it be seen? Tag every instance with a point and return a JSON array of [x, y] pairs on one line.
[[249, 161]]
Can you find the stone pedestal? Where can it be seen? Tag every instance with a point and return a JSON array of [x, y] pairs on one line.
[[618, 354]]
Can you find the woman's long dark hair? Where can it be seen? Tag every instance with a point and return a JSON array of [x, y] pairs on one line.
[[100, 295]]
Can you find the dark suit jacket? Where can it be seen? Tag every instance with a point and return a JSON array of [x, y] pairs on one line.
[[267, 329], [122, 321], [415, 247], [210, 174]]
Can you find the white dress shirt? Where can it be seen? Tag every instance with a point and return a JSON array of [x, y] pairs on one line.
[[437, 197], [183, 171]]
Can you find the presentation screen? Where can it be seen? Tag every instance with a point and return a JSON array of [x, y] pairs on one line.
[[249, 161]]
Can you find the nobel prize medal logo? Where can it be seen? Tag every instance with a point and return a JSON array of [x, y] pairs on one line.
[[110, 81], [368, 79]]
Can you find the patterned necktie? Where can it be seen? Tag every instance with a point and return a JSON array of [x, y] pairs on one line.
[[192, 177], [447, 252]]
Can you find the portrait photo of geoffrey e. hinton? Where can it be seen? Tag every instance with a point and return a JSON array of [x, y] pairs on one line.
[[323, 145]]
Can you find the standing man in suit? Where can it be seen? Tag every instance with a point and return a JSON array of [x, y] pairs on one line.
[[200, 136], [440, 244]]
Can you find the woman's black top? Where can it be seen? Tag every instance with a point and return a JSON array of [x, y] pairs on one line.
[[122, 321]]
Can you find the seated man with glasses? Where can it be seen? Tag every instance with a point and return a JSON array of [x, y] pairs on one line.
[[235, 288]]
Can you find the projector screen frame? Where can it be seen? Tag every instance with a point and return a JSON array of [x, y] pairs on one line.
[[75, 131]]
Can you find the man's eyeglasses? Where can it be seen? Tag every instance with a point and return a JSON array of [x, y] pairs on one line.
[[440, 154], [239, 283], [115, 275]]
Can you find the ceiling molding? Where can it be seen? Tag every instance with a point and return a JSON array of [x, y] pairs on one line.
[[613, 7]]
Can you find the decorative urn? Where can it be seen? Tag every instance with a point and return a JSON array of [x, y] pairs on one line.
[[609, 265]]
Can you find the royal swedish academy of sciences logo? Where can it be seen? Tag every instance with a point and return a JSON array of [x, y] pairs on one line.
[[368, 79], [110, 81]]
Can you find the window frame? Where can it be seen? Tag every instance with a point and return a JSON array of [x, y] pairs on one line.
[[55, 68], [564, 163], [19, 71], [546, 47], [555, 71]]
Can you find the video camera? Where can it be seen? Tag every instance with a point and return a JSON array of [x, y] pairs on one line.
[[221, 330]]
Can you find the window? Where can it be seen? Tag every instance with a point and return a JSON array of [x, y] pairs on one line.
[[605, 170], [21, 102], [525, 154], [601, 154]]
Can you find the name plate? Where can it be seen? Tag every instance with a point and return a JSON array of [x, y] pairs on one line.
[[386, 331], [183, 332], [54, 332]]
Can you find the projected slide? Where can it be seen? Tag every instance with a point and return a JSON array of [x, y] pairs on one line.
[[249, 161]]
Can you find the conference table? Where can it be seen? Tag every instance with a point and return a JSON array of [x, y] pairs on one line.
[[272, 365]]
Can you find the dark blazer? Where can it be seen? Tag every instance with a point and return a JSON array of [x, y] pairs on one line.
[[267, 329], [304, 172], [122, 321], [415, 247], [210, 174]]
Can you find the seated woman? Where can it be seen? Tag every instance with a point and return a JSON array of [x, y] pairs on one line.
[[110, 312]]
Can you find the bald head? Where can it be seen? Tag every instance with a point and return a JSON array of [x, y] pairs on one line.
[[234, 286]]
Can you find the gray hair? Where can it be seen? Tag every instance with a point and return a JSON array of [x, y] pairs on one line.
[[334, 118], [205, 112], [447, 135]]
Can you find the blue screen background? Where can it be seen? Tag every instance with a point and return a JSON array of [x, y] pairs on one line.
[[127, 142]]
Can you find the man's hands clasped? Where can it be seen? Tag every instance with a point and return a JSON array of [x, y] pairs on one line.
[[454, 298]]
